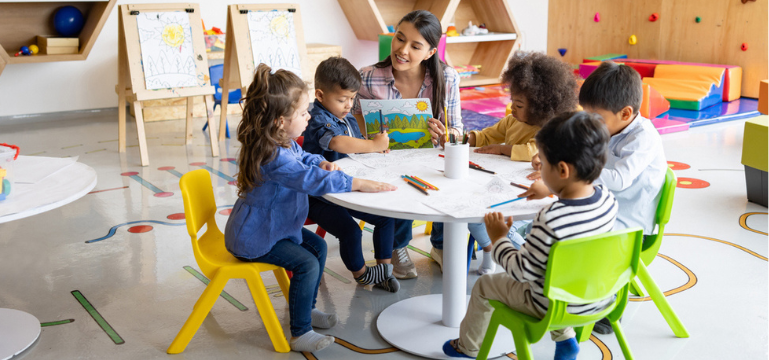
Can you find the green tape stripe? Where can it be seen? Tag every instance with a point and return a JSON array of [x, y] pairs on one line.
[[419, 251], [368, 229], [54, 323], [98, 318], [224, 294], [337, 276]]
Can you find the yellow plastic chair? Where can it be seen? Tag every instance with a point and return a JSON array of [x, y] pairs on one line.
[[579, 271], [220, 266], [650, 248]]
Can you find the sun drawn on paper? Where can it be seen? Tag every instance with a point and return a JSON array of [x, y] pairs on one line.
[[173, 35], [279, 27], [273, 40], [422, 105], [167, 53]]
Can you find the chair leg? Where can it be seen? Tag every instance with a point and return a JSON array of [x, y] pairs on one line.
[[283, 281], [428, 228], [522, 346], [320, 232], [621, 340], [470, 251], [635, 289], [267, 312], [583, 332], [199, 312], [488, 339], [662, 303]]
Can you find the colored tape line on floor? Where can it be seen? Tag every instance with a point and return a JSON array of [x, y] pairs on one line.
[[98, 318]]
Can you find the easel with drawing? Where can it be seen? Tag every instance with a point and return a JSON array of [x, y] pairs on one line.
[[161, 55], [260, 33]]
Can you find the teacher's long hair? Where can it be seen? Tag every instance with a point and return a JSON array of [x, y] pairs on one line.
[[269, 97], [430, 29]]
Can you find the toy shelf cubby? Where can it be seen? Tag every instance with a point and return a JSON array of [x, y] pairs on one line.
[[369, 18], [21, 22]]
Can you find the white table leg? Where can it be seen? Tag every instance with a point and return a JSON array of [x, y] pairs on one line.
[[454, 273]]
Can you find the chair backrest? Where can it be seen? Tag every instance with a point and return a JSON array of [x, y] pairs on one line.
[[199, 203], [592, 268], [300, 141], [216, 72], [661, 218]]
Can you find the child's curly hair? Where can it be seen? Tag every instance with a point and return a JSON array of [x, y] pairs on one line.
[[547, 83]]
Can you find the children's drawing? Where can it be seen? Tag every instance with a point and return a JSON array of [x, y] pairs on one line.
[[405, 121], [167, 52], [273, 40]]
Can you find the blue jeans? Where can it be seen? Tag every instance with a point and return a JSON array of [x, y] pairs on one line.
[[403, 233], [338, 221], [478, 231], [307, 262]]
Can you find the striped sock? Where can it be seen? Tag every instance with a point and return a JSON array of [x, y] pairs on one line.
[[375, 274], [391, 284]]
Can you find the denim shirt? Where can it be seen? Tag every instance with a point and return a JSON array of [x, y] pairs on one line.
[[277, 209], [323, 126]]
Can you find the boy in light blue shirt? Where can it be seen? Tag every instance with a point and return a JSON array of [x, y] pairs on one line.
[[635, 167]]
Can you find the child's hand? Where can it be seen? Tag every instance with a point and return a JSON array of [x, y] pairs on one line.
[[534, 176], [537, 190], [535, 162], [325, 165], [490, 149], [497, 226], [364, 185], [381, 142]]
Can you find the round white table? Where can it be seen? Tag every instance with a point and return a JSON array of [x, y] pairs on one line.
[[64, 184], [420, 325]]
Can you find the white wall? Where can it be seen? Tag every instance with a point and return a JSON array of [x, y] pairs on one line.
[[90, 84]]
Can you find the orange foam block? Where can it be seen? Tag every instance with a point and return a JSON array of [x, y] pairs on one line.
[[653, 103], [763, 93]]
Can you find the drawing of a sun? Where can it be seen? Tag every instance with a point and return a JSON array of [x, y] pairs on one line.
[[173, 35], [421, 105], [279, 26]]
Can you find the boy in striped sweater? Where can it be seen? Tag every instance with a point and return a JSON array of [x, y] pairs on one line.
[[572, 148]]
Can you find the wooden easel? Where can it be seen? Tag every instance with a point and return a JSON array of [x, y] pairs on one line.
[[131, 81], [239, 63]]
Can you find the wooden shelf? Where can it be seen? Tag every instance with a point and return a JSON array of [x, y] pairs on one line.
[[21, 22], [369, 18]]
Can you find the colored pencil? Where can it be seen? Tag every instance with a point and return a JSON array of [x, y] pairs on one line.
[[425, 182], [408, 180], [505, 202], [525, 187], [480, 169], [446, 121], [420, 183], [381, 123], [417, 186]]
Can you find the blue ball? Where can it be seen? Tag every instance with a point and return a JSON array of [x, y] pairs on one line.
[[68, 21], [25, 50]]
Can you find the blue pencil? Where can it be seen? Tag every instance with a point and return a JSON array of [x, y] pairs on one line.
[[505, 202]]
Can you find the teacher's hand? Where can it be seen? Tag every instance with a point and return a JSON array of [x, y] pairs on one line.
[[437, 131]]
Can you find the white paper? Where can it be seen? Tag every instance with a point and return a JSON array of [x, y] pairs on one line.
[[32, 169], [273, 40], [167, 52]]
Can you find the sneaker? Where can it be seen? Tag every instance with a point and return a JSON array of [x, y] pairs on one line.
[[603, 327], [403, 267], [437, 255]]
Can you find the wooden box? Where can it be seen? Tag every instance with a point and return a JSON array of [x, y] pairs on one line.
[[51, 45]]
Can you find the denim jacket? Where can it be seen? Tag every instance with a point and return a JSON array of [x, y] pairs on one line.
[[323, 127], [277, 209]]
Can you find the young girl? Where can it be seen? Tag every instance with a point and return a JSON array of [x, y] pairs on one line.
[[414, 70], [541, 86], [274, 179]]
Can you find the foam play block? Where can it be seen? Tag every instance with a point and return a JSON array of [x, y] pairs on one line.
[[605, 57], [763, 102], [585, 69], [755, 158], [732, 77], [645, 70], [689, 87], [653, 104]]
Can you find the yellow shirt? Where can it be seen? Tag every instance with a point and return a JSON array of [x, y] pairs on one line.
[[511, 132]]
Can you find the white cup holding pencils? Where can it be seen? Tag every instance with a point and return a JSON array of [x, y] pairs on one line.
[[457, 158]]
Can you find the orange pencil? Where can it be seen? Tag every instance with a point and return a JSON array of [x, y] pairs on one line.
[[426, 183], [416, 185]]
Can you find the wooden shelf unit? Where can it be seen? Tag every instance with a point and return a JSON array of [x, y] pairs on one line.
[[21, 22], [369, 18]]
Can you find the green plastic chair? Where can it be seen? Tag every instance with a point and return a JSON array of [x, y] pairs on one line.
[[650, 248], [579, 271]]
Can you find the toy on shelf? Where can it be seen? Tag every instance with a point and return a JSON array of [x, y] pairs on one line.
[[214, 38], [451, 30], [467, 70], [471, 30], [68, 21]]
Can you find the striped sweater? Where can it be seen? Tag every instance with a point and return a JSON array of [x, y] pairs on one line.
[[561, 220]]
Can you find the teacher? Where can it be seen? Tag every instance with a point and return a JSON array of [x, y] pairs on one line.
[[413, 70]]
